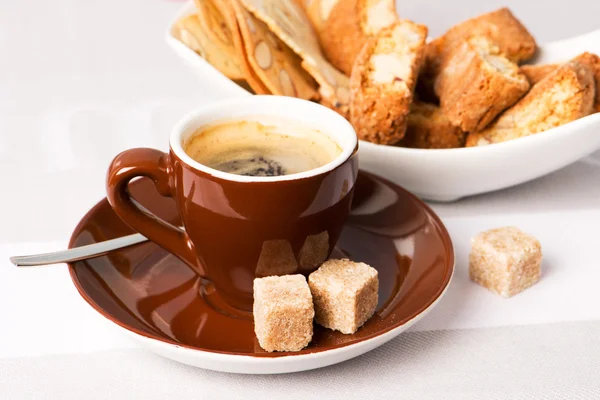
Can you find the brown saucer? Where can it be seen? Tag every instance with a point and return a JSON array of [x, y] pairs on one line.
[[148, 291]]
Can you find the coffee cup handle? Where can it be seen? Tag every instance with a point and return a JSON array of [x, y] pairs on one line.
[[157, 166]]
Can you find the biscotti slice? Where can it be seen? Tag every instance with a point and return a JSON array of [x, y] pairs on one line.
[[429, 128], [348, 26], [593, 62], [345, 294], [505, 260], [226, 10], [334, 86], [383, 81], [288, 21], [501, 28], [273, 62], [283, 313], [476, 83], [563, 96], [221, 55], [536, 73]]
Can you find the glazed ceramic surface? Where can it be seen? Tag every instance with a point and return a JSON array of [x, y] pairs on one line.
[[170, 310], [238, 227]]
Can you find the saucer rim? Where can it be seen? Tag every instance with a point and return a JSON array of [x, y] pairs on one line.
[[404, 323], [288, 362]]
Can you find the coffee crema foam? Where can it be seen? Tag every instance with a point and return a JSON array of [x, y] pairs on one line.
[[254, 149]]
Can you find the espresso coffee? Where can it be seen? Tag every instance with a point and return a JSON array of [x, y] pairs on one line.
[[255, 149]]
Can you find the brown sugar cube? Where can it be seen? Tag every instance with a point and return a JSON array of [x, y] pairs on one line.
[[349, 24], [383, 81], [505, 260], [345, 294], [283, 313], [429, 128], [563, 96], [476, 83]]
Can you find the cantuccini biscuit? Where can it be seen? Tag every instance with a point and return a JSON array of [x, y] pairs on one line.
[[501, 28], [429, 128], [593, 62], [273, 62], [221, 55], [334, 86], [383, 81], [563, 96], [476, 83], [536, 73], [288, 21], [348, 26], [226, 8]]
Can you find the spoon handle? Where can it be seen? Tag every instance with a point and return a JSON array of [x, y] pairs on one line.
[[78, 253]]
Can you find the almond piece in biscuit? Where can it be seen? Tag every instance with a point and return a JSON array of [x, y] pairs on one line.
[[226, 9], [429, 128], [383, 81], [476, 83], [563, 96], [318, 11], [288, 21], [223, 57], [276, 65], [348, 26]]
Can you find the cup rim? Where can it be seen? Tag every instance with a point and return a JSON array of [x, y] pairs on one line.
[[307, 113]]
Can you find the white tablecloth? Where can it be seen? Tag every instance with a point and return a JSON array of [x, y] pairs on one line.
[[80, 81]]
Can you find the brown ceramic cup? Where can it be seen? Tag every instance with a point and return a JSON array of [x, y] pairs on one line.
[[236, 228]]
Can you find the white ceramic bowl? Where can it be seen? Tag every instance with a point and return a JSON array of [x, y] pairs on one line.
[[449, 174]]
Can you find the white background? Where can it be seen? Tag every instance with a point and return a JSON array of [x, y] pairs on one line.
[[82, 80]]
